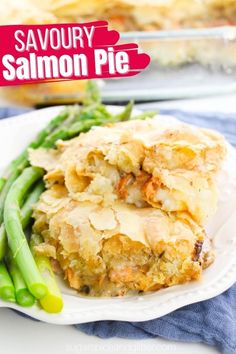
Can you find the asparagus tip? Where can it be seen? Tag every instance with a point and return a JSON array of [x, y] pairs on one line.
[[52, 304]]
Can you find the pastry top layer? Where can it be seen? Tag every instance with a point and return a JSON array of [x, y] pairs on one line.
[[159, 162], [82, 227]]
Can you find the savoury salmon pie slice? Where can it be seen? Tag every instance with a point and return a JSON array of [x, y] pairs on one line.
[[111, 251], [157, 162]]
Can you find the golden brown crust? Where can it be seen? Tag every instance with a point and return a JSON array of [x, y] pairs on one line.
[[117, 249], [167, 165]]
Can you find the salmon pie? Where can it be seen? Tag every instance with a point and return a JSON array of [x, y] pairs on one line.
[[126, 205]]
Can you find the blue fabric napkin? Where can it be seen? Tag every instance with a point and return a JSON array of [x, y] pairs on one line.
[[213, 321]]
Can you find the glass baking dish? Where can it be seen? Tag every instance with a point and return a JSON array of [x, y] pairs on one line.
[[185, 63]]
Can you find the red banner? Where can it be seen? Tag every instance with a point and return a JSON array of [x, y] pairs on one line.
[[37, 53]]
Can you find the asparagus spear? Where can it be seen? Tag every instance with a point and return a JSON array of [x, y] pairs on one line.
[[126, 113], [7, 291], [2, 182], [52, 302], [3, 242], [16, 237], [22, 294], [145, 115], [26, 210]]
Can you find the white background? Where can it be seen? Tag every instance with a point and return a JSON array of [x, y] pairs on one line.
[[19, 335]]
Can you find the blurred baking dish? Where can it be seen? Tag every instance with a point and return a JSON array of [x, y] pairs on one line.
[[143, 15]]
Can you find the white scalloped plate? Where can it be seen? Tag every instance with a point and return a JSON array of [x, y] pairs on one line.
[[15, 133]]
